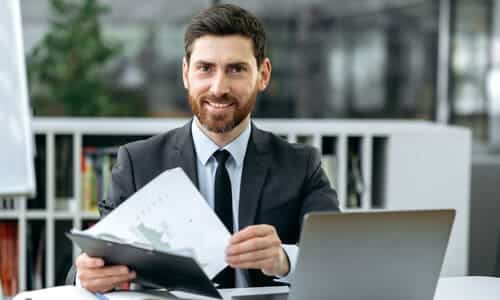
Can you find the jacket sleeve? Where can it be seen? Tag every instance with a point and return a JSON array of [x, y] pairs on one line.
[[317, 193], [122, 183]]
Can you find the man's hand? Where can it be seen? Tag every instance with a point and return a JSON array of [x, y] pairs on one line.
[[258, 247], [95, 277]]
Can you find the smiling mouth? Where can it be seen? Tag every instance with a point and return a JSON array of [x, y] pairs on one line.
[[219, 105]]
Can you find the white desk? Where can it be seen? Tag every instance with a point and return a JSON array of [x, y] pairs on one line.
[[468, 288], [451, 288], [448, 288]]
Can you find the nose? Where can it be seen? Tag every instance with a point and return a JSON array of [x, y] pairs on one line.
[[220, 85]]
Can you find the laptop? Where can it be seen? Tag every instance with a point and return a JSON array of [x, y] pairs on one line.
[[390, 255]]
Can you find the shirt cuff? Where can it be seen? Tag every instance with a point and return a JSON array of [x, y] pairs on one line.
[[77, 281], [292, 251]]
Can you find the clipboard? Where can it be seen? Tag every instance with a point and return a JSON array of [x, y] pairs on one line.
[[161, 269]]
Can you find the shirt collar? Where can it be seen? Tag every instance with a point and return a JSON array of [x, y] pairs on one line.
[[205, 147]]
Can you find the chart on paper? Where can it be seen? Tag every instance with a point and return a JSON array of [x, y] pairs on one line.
[[169, 214]]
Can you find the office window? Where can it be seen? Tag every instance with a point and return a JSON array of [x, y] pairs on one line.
[[331, 59], [469, 65], [356, 59], [142, 77]]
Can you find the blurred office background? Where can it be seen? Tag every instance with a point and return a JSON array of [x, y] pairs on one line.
[[436, 60], [404, 59]]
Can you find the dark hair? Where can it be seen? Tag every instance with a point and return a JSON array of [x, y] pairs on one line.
[[226, 19]]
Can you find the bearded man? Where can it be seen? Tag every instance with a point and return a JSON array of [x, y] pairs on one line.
[[259, 185]]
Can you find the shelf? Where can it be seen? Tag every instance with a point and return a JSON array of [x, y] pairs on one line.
[[392, 166], [36, 214], [90, 216], [9, 215], [64, 215]]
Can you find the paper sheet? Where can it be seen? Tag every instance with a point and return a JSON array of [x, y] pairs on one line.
[[170, 214]]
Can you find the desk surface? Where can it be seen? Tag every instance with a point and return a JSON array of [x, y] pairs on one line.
[[468, 288], [450, 288]]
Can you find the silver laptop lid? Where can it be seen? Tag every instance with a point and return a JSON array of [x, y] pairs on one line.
[[371, 255]]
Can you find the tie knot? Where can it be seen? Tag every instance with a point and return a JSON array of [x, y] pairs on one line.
[[221, 156]]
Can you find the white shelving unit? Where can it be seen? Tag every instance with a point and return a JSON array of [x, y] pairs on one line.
[[403, 165]]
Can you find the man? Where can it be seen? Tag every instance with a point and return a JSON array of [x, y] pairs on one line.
[[259, 185]]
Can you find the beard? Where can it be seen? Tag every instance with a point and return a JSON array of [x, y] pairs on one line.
[[224, 121]]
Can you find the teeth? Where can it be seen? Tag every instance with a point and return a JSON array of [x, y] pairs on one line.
[[219, 105]]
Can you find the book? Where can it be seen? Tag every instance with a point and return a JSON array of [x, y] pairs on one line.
[[9, 266], [1, 289], [161, 233], [96, 165], [89, 184]]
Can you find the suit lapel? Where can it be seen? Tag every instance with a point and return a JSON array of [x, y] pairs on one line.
[[185, 155], [255, 169]]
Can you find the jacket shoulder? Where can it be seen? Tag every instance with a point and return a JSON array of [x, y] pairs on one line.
[[282, 148], [155, 144]]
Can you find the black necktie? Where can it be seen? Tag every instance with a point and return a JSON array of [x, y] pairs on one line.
[[224, 210]]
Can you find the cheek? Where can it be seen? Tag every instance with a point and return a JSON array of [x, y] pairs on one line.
[[197, 87], [244, 89]]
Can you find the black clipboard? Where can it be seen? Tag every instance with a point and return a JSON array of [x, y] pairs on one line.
[[155, 268]]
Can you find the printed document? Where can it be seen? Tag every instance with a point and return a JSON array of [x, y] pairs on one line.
[[169, 214]]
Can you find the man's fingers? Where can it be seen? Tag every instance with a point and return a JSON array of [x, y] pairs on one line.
[[267, 263], [107, 283], [257, 247], [252, 232], [95, 277], [85, 261], [255, 256], [254, 244], [112, 271]]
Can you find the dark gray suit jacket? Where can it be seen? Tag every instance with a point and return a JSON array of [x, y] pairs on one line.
[[280, 183]]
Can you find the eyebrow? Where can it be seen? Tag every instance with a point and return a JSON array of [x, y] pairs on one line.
[[232, 64], [238, 64], [202, 62]]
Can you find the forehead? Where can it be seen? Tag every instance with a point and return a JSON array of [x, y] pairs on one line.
[[223, 49]]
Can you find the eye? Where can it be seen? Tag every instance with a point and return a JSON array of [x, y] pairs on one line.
[[203, 67], [236, 69]]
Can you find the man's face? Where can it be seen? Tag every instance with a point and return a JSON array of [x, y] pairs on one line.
[[223, 79]]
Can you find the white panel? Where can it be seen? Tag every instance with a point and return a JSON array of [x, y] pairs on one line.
[[17, 175], [431, 171]]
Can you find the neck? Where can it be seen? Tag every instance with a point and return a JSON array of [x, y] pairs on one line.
[[222, 139]]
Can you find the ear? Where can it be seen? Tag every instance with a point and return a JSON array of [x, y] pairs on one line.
[[264, 74], [185, 69]]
